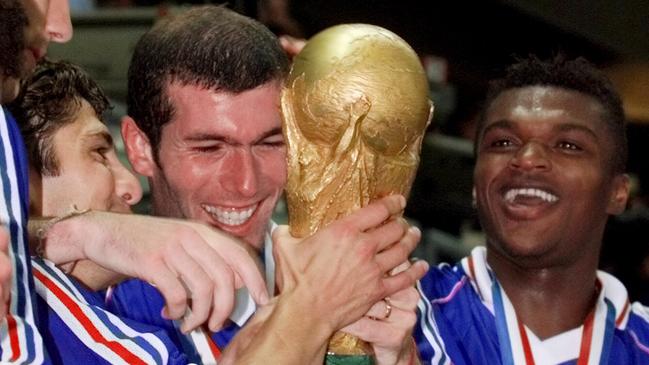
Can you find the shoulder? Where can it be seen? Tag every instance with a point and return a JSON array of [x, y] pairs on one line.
[[639, 318], [637, 329], [441, 280]]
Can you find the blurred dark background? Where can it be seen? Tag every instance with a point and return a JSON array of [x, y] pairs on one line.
[[462, 45]]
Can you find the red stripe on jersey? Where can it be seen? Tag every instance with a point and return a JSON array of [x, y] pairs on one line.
[[527, 350], [216, 352], [586, 339], [87, 324], [13, 337], [622, 313]]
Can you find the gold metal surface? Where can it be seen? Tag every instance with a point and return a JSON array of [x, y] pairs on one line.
[[355, 108]]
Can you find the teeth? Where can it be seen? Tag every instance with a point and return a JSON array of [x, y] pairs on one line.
[[230, 216], [512, 194]]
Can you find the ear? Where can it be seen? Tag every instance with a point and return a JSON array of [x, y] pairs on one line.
[[619, 194], [138, 148]]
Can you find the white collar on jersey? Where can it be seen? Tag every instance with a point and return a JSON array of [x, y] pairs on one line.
[[481, 280], [612, 309]]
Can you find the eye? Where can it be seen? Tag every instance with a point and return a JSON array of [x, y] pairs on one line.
[[565, 145], [273, 142], [498, 140], [501, 143], [211, 147], [101, 154]]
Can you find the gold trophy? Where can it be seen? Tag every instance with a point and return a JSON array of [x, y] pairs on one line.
[[355, 108]]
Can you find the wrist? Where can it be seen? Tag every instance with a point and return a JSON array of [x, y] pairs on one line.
[[62, 239], [410, 355], [302, 306]]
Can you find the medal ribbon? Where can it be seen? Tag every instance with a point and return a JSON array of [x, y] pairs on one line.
[[597, 332]]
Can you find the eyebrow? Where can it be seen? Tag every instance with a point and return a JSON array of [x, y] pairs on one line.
[[200, 137], [107, 137], [563, 127], [501, 124], [569, 127]]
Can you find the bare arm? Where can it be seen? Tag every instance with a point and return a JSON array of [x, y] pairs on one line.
[[170, 254]]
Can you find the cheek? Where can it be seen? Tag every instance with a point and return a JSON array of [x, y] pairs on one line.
[[63, 192], [486, 174], [55, 195], [593, 189], [273, 166], [482, 175], [584, 181], [189, 173], [101, 188]]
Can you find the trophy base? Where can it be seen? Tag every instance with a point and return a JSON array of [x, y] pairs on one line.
[[335, 359]]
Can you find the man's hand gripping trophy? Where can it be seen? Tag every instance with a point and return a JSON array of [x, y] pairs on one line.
[[355, 108]]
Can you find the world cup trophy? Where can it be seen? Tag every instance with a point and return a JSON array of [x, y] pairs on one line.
[[355, 108]]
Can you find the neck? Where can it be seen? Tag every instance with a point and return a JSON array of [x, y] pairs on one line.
[[548, 300]]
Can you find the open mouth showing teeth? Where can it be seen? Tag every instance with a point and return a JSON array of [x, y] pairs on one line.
[[513, 194], [230, 216]]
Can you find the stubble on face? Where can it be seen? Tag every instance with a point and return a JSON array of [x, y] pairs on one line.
[[163, 201], [221, 160]]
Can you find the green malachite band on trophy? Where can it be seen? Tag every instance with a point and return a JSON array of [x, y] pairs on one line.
[[332, 359]]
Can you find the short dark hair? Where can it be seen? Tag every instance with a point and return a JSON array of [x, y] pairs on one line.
[[571, 74], [50, 99], [13, 21], [208, 46]]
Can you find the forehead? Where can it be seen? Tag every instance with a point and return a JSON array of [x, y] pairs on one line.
[[242, 116], [85, 123], [548, 104]]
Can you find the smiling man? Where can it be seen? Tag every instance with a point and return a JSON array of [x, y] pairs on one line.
[[132, 245], [204, 127], [551, 153], [219, 159], [162, 251]]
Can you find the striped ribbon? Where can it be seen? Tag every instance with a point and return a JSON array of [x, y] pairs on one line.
[[515, 348]]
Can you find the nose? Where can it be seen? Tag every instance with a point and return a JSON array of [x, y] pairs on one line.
[[59, 25], [531, 156], [242, 177], [127, 186]]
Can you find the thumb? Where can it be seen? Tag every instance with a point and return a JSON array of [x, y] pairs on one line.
[[283, 243], [283, 246]]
